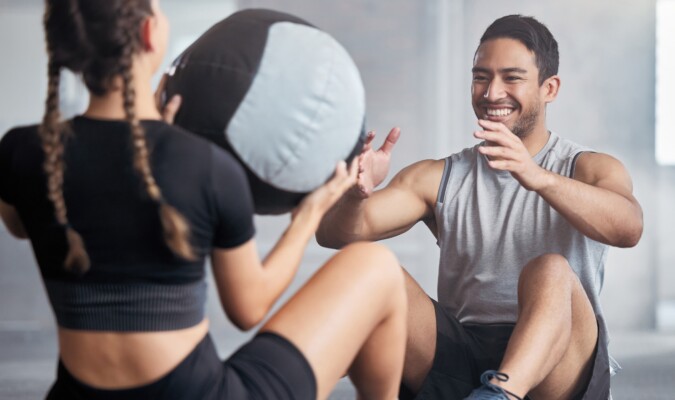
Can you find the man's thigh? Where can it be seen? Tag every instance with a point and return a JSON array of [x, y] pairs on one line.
[[443, 358], [421, 342]]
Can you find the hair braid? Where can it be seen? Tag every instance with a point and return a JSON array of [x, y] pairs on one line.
[[52, 133], [176, 229]]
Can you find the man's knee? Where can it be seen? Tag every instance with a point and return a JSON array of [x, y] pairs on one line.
[[547, 268], [548, 271]]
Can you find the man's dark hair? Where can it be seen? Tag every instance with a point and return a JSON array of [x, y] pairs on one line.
[[534, 35]]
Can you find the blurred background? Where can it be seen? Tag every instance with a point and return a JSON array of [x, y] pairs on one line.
[[415, 59]]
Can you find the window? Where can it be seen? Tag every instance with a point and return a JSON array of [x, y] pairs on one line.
[[665, 82]]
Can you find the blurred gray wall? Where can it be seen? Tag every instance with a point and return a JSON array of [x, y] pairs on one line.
[[415, 59]]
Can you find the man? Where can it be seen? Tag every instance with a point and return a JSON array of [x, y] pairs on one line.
[[523, 220]]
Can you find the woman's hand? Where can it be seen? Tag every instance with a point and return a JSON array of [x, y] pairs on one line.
[[168, 110], [322, 199]]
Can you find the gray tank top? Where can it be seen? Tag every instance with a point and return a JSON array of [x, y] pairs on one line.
[[489, 227]]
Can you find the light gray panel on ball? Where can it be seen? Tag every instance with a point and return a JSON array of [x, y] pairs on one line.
[[303, 112]]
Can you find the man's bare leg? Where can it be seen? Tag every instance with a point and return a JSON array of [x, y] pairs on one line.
[[550, 353], [421, 342]]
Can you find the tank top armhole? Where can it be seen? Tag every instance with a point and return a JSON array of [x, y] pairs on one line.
[[444, 180], [574, 161]]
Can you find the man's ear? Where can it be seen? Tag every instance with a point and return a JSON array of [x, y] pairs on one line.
[[147, 34], [550, 88]]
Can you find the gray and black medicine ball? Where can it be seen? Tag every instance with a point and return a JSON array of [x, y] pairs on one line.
[[280, 94]]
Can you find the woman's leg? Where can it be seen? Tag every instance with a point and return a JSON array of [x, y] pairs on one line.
[[351, 317]]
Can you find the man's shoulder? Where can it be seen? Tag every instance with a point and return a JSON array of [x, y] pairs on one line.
[[587, 163], [463, 160], [423, 168], [422, 177], [564, 147], [570, 148], [591, 166], [467, 153]]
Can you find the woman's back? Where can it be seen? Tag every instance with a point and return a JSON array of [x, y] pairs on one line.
[[135, 284], [109, 207]]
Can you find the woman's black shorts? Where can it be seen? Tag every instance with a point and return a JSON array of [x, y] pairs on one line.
[[267, 367]]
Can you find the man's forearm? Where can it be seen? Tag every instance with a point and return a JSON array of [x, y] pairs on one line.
[[342, 224], [601, 214]]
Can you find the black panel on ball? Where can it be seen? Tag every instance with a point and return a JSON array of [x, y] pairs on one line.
[[211, 97], [212, 94], [267, 199]]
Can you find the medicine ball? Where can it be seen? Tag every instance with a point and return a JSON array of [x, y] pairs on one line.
[[280, 94]]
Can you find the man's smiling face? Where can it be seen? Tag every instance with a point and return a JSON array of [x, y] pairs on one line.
[[505, 86]]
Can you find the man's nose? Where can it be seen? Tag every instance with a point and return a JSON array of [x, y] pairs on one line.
[[494, 90]]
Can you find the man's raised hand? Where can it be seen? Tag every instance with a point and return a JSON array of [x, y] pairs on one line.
[[374, 164]]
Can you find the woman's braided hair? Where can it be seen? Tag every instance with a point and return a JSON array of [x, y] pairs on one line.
[[98, 39]]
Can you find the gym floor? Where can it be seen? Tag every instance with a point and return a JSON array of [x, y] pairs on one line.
[[28, 360]]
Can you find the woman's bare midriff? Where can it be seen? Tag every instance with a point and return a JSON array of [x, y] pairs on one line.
[[121, 360]]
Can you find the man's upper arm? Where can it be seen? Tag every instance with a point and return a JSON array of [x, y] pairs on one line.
[[406, 200]]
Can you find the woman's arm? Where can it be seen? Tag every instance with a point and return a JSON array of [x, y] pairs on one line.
[[11, 219], [248, 288]]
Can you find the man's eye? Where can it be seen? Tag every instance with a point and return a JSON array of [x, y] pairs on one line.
[[513, 78], [479, 78]]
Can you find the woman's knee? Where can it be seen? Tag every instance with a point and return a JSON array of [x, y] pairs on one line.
[[372, 255], [376, 262]]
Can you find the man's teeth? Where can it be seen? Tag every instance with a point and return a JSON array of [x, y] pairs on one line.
[[502, 112]]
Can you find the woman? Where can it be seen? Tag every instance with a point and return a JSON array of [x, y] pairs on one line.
[[122, 209]]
